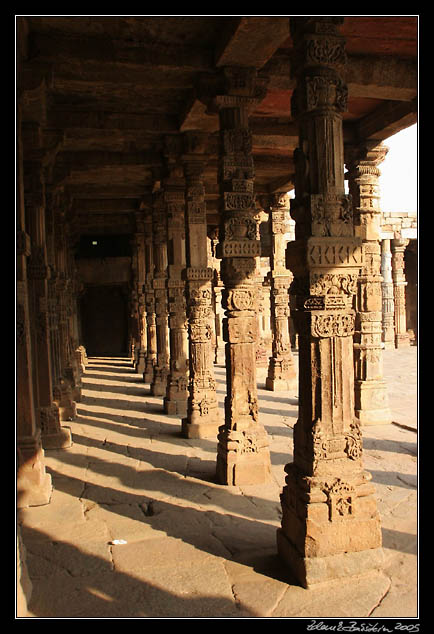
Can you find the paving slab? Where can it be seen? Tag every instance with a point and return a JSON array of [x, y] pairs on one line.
[[138, 527]]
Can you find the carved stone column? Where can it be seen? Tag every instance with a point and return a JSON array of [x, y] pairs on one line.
[[243, 451], [53, 435], [202, 419], [139, 276], [330, 523], [148, 288], [371, 397], [65, 392], [388, 305], [402, 340], [281, 369], [33, 482], [159, 227], [175, 401]]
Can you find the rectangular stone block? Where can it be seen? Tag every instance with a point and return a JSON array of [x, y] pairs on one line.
[[312, 570]]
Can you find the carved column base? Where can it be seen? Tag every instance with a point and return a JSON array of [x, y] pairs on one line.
[[148, 373], [402, 340], [243, 456], [64, 402], [159, 383], [203, 427], [312, 570], [372, 403], [60, 440], [330, 526], [141, 363], [176, 401], [282, 375], [53, 435], [34, 486], [388, 345]]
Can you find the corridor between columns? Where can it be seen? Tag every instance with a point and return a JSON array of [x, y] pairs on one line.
[[138, 526]]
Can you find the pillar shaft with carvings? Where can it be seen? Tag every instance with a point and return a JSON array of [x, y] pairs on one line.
[[33, 482], [139, 276], [371, 397], [159, 228], [388, 305], [202, 419], [281, 369], [330, 523], [175, 401], [148, 288], [402, 340], [53, 435], [243, 451]]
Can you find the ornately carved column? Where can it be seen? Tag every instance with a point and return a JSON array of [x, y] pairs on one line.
[[139, 276], [202, 419], [148, 288], [33, 482], [371, 397], [54, 436], [402, 340], [330, 523], [175, 401], [243, 453], [159, 228], [281, 369], [388, 316]]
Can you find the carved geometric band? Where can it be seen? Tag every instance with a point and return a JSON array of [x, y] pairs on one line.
[[194, 273], [240, 248], [326, 252], [332, 324]]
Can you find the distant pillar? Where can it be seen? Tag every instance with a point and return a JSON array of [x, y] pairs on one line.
[[159, 226], [282, 374], [402, 339], [151, 330], [388, 305]]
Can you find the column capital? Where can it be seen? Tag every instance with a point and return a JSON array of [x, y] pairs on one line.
[[365, 155]]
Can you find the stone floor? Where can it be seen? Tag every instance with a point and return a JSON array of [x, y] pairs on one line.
[[138, 528]]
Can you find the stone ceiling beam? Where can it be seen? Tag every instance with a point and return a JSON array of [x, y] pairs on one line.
[[99, 58], [119, 205], [251, 41], [377, 77], [69, 118], [94, 159], [387, 119]]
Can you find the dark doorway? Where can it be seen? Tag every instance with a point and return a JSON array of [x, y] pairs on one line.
[[104, 321]]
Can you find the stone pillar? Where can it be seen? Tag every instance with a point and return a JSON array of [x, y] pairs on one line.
[[65, 392], [243, 450], [175, 401], [281, 369], [371, 397], [330, 523], [402, 340], [159, 227], [202, 419], [139, 279], [53, 435], [33, 483], [388, 305], [151, 329]]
